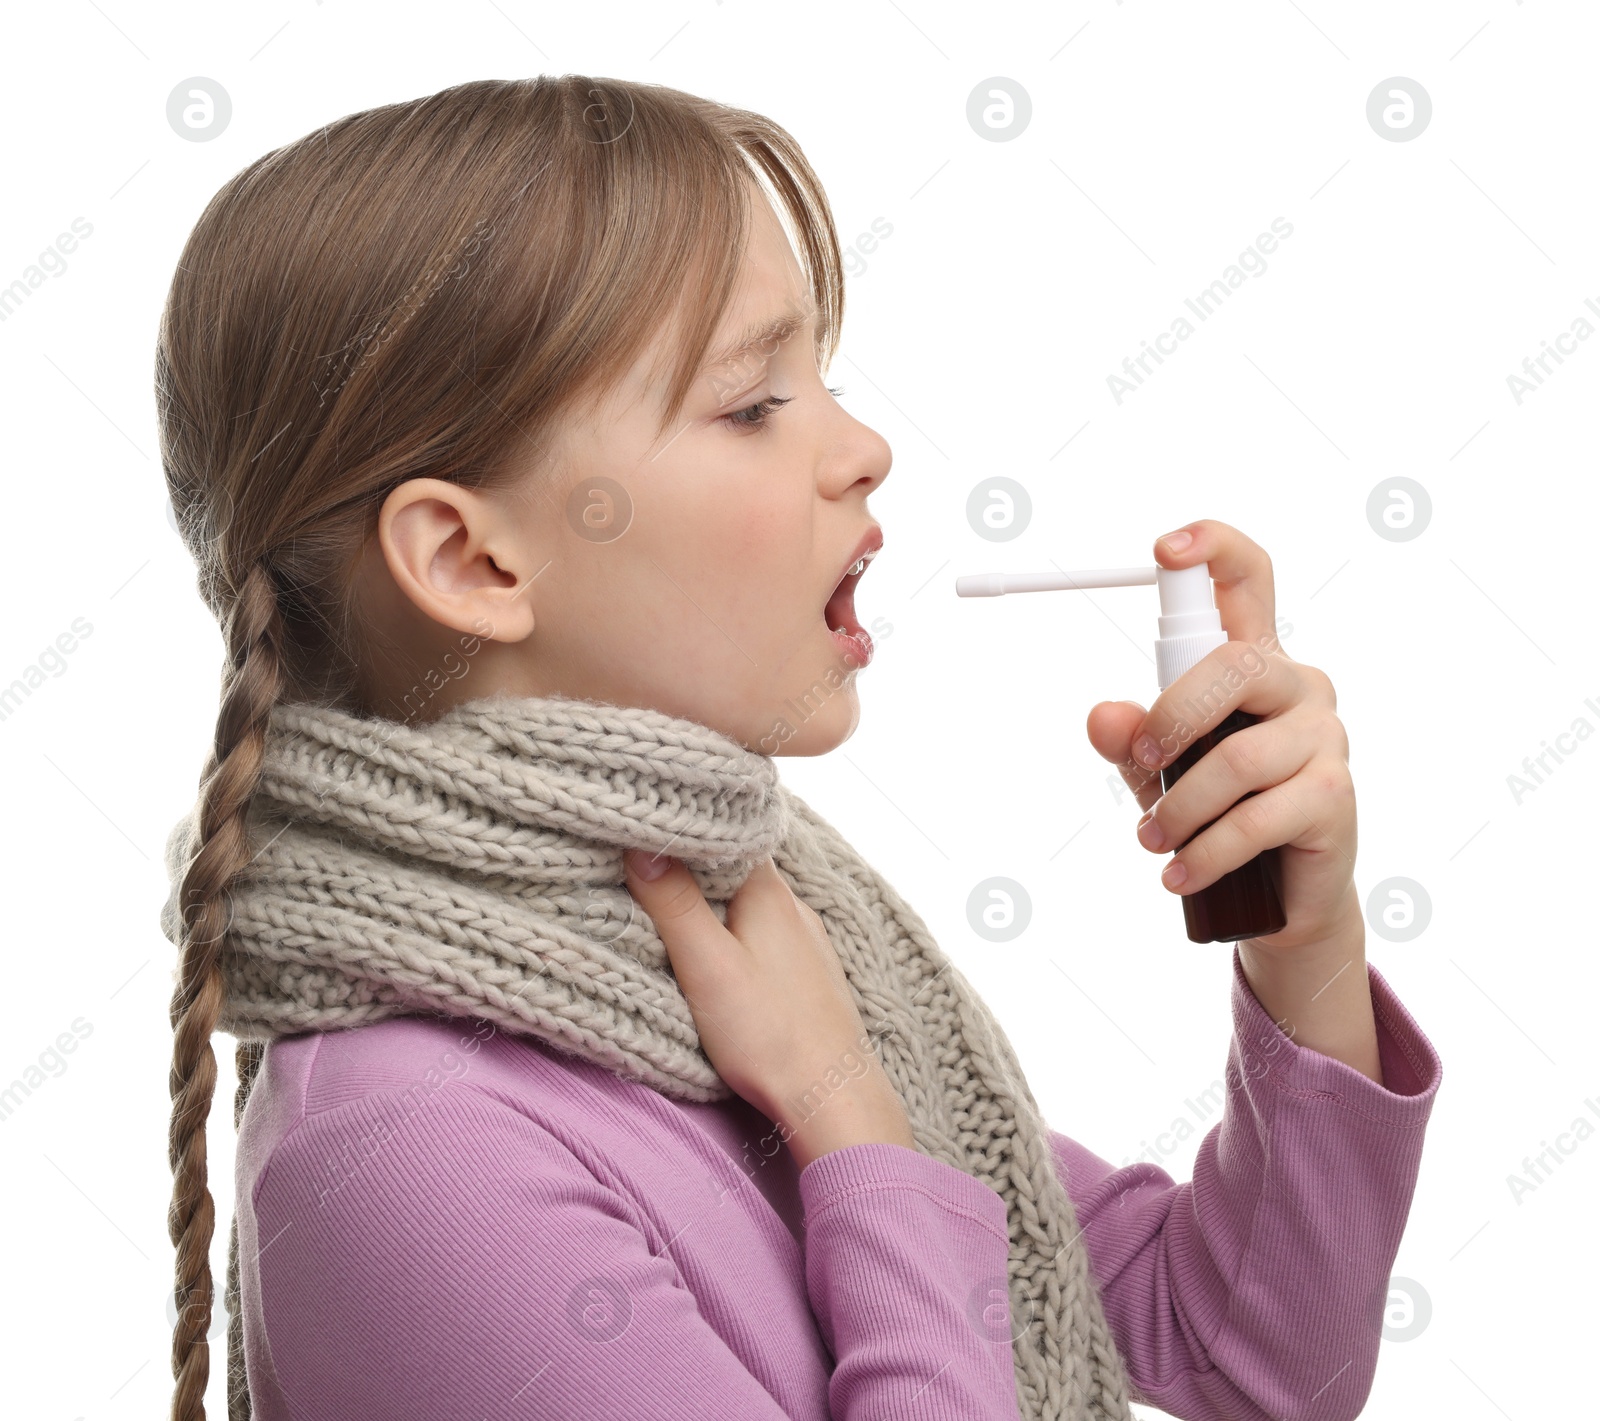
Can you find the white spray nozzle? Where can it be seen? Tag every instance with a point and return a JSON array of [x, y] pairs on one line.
[[1189, 625], [996, 584]]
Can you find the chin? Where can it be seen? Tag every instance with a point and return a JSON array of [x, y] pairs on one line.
[[803, 726]]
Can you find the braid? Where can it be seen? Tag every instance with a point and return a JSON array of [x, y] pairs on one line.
[[251, 684], [248, 1057]]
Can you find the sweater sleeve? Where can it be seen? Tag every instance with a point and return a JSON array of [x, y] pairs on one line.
[[906, 1271], [470, 1264], [1257, 1289]]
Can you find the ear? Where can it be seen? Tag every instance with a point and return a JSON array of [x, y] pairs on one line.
[[452, 553]]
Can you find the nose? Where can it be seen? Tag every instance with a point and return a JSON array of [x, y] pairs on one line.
[[857, 459]]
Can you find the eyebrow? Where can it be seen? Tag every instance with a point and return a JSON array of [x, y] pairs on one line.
[[775, 329]]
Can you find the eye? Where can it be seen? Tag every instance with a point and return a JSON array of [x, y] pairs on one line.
[[836, 391], [755, 416]]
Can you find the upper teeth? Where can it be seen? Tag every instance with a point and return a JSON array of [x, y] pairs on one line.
[[860, 563]]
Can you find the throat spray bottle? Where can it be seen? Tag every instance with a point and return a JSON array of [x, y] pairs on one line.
[[1243, 903]]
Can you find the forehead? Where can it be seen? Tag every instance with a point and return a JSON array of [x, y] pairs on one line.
[[769, 282], [770, 278], [770, 302]]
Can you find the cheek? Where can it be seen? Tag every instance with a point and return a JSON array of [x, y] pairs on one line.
[[739, 541], [750, 528], [771, 560], [763, 535]]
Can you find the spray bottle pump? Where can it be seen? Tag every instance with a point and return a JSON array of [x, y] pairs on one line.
[[1244, 902]]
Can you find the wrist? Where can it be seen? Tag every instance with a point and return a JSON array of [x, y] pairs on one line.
[[1318, 993], [818, 1120]]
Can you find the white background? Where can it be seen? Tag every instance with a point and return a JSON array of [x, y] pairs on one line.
[[978, 338]]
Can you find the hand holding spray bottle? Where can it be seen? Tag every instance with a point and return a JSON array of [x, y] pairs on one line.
[[1243, 903]]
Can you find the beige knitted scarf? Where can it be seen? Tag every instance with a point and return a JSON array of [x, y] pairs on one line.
[[473, 866]]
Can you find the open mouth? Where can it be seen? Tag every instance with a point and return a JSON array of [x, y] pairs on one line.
[[840, 612]]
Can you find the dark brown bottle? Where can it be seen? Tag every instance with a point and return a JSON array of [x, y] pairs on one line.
[[1245, 902]]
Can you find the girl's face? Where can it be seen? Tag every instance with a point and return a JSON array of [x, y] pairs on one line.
[[690, 572]]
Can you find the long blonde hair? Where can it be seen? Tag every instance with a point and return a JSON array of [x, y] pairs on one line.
[[419, 289]]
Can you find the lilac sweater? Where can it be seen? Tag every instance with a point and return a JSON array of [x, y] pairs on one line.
[[438, 1219]]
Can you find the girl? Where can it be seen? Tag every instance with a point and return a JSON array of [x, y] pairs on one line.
[[604, 1078]]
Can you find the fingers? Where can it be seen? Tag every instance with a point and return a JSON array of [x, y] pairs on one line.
[[1311, 811], [1235, 676], [1249, 760], [1241, 574], [1249, 672]]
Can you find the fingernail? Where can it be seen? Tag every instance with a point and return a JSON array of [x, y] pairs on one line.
[[645, 865], [1147, 752], [1174, 874], [1150, 833], [1177, 542]]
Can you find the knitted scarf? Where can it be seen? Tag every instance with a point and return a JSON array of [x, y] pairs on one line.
[[472, 866]]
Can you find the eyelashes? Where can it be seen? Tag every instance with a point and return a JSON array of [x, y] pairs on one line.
[[753, 417]]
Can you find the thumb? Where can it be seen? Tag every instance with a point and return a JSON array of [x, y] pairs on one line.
[[1110, 727], [682, 917]]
